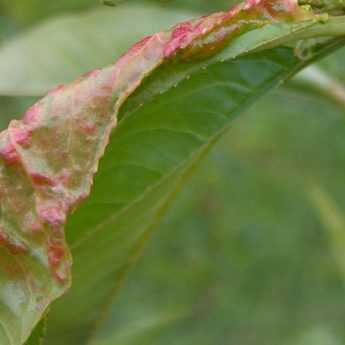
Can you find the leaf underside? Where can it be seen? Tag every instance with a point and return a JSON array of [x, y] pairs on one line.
[[156, 112]]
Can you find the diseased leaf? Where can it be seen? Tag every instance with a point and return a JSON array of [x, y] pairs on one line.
[[180, 89]]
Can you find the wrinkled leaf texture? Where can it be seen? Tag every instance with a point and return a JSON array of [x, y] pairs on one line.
[[172, 95]]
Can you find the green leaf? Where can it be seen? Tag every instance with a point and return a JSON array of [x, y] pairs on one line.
[[37, 336], [149, 156], [173, 95], [241, 218]]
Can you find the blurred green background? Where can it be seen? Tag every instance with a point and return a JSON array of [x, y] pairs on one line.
[[253, 249]]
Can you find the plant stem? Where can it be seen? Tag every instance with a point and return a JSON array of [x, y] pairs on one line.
[[334, 26], [333, 7], [317, 79]]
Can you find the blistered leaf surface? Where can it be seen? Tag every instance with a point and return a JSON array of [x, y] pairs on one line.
[[49, 158]]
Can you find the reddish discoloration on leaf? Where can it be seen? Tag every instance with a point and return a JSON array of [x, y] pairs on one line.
[[40, 179], [48, 160], [57, 151], [184, 35], [65, 178], [57, 260], [32, 114], [56, 90], [88, 128], [14, 247], [56, 253], [9, 154], [55, 216], [92, 74], [181, 36], [20, 136], [138, 46]]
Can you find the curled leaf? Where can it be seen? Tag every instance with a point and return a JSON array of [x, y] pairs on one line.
[[49, 159]]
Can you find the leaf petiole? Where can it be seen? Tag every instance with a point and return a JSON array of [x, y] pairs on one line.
[[332, 7]]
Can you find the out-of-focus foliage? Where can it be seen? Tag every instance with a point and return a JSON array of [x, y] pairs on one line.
[[27, 12], [245, 256], [78, 43]]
